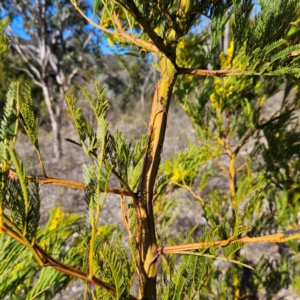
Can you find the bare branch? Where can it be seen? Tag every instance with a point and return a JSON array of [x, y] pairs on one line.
[[30, 75], [68, 183], [70, 77], [132, 39], [76, 70], [89, 37], [207, 73], [156, 39], [16, 45], [281, 237]]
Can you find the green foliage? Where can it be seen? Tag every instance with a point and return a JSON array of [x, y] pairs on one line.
[[4, 47], [227, 115], [29, 122], [9, 73], [4, 73], [220, 17], [9, 123], [241, 11], [271, 23], [187, 277], [21, 277], [111, 263], [90, 139], [124, 159], [23, 206]]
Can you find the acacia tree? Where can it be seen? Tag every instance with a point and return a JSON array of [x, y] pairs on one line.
[[51, 44], [226, 113]]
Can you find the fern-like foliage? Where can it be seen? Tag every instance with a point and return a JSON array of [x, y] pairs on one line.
[[110, 154], [227, 113], [90, 139], [241, 11], [29, 122], [271, 23], [112, 265], [184, 165], [23, 205], [14, 274], [220, 18], [26, 219], [99, 105], [77, 117], [95, 179], [19, 203], [9, 122], [267, 47], [126, 158], [4, 47], [186, 277], [8, 132], [22, 277]]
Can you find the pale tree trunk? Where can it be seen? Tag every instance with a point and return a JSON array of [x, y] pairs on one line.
[[226, 39], [55, 120], [41, 58]]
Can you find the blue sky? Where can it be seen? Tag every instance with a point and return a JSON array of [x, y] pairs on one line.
[[17, 26], [18, 29]]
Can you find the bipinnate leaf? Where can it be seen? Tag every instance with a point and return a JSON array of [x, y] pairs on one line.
[[29, 122], [4, 47], [9, 122]]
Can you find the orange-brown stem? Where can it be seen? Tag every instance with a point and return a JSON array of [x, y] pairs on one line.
[[280, 237], [208, 73], [156, 133], [68, 183], [48, 261]]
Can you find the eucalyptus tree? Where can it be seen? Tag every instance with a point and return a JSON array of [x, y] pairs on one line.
[[259, 202], [51, 40]]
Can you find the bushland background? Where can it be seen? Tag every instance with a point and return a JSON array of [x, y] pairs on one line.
[[127, 79], [128, 115]]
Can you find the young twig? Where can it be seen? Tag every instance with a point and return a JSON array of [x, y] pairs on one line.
[[68, 183], [281, 237], [130, 38], [124, 215]]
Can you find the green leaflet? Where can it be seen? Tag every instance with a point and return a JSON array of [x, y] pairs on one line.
[[112, 264], [221, 17], [187, 276], [8, 132], [29, 122], [99, 105], [4, 47], [126, 158], [22, 278], [9, 122], [241, 13]]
